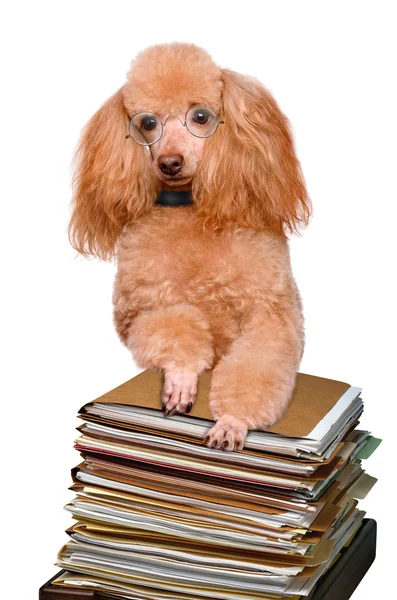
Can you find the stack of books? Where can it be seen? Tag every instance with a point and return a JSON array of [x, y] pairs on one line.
[[160, 516]]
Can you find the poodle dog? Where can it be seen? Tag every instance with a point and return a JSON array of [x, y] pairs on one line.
[[206, 285]]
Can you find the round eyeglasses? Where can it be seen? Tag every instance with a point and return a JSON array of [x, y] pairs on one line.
[[146, 128]]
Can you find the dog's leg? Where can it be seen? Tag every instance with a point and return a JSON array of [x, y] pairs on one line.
[[253, 383], [175, 340]]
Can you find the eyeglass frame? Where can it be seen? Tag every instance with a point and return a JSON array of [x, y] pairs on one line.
[[218, 122]]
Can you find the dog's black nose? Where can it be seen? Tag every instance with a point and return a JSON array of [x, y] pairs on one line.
[[170, 165]]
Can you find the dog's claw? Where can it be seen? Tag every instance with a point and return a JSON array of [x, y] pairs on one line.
[[228, 433], [179, 391]]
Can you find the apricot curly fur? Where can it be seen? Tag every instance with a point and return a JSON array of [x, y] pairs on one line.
[[206, 286]]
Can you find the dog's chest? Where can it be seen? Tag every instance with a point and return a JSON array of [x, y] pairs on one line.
[[171, 261]]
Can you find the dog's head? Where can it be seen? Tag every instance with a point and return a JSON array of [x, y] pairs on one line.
[[173, 91], [161, 130]]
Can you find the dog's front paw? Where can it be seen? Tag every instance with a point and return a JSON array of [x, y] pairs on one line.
[[228, 433], [179, 391]]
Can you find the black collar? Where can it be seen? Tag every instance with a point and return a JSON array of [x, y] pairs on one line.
[[174, 198]]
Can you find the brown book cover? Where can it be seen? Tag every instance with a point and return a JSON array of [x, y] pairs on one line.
[[313, 397]]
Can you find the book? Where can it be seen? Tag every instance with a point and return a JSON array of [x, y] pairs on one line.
[[159, 515], [320, 410]]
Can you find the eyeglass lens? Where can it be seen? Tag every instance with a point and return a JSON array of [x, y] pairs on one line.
[[146, 127]]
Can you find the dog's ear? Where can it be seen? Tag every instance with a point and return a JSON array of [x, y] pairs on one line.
[[113, 181], [249, 173]]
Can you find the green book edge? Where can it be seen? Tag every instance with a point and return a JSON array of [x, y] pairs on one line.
[[369, 447]]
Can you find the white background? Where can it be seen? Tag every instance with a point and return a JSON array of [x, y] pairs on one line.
[[330, 66]]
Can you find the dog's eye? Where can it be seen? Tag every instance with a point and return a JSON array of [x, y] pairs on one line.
[[149, 123], [201, 116]]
